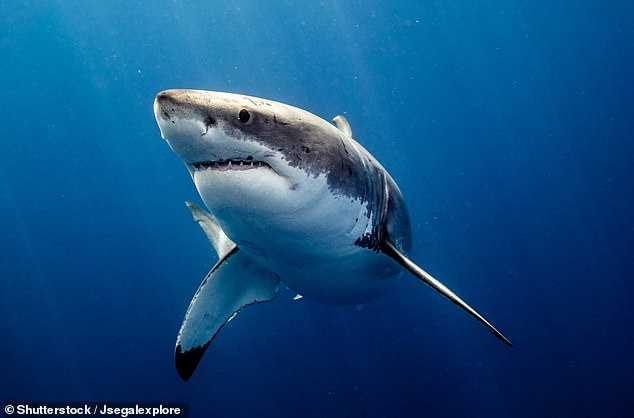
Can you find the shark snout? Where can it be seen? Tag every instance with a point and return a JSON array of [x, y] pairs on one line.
[[176, 115], [175, 106], [161, 114], [186, 123], [165, 105]]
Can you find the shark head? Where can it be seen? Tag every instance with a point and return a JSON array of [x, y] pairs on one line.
[[255, 160], [226, 141]]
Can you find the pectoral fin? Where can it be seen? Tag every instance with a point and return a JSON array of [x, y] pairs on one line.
[[216, 236], [235, 282], [389, 249]]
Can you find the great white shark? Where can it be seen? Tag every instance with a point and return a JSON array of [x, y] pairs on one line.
[[292, 199]]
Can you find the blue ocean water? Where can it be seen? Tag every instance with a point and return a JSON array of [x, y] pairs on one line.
[[508, 125]]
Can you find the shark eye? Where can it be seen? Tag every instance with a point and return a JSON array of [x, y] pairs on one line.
[[244, 116]]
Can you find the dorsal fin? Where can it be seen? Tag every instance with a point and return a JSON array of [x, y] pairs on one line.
[[390, 250], [342, 124], [221, 243]]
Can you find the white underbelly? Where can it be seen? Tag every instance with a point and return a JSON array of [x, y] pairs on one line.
[[309, 241]]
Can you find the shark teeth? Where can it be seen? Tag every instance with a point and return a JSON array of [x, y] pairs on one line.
[[226, 165]]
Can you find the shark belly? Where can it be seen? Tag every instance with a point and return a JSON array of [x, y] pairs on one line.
[[309, 244]]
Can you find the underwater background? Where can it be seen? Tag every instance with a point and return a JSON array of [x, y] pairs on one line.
[[508, 125]]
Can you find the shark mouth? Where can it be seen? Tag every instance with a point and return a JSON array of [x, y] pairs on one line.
[[230, 165]]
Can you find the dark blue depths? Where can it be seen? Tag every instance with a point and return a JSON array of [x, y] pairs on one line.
[[508, 126]]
